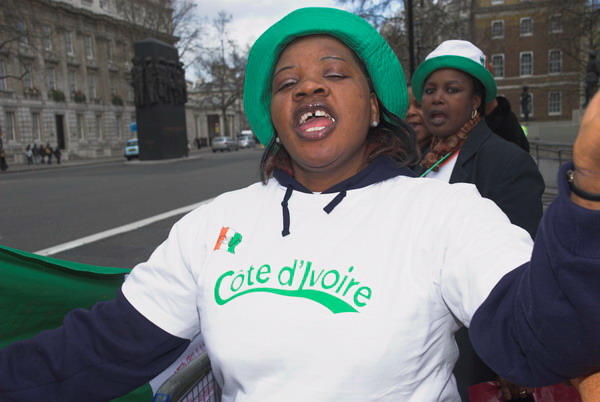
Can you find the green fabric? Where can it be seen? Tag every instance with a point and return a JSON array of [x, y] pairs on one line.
[[37, 292], [464, 64], [381, 62]]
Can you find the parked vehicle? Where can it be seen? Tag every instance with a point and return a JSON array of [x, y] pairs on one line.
[[131, 149], [246, 141], [224, 144]]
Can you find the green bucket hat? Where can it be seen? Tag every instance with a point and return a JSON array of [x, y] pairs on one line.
[[460, 55], [382, 64]]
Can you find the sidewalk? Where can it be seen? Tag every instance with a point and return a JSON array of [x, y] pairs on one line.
[[24, 167]]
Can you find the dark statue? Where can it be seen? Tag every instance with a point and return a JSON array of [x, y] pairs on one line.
[[158, 81], [592, 75], [525, 102]]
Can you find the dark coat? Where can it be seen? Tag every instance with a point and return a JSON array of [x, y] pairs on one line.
[[504, 173], [507, 175], [504, 122]]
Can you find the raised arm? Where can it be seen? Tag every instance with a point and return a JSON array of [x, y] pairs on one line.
[[541, 323]]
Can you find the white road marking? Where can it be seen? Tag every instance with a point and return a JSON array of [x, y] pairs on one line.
[[118, 230]]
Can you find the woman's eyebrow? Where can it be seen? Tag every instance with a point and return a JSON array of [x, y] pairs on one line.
[[282, 69], [333, 58]]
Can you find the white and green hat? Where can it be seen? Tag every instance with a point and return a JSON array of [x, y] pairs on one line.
[[460, 55]]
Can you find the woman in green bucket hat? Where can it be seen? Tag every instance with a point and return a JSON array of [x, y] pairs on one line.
[[348, 280]]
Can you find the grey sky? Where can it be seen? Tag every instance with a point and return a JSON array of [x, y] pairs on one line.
[[252, 18]]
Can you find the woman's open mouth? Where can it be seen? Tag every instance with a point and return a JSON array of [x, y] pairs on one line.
[[314, 121], [437, 118]]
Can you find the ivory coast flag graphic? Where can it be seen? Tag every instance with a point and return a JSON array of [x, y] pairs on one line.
[[228, 238]]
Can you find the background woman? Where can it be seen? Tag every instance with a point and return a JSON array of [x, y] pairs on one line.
[[453, 86], [347, 279]]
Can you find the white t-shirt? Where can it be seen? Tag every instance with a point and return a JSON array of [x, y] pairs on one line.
[[358, 304]]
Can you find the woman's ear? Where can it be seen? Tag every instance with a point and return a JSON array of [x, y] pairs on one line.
[[374, 109], [476, 101]]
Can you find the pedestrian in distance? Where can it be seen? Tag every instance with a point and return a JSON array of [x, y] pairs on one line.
[[349, 276], [57, 154], [36, 151], [48, 151], [3, 164], [28, 154], [42, 151]]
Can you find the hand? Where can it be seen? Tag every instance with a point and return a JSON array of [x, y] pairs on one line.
[[511, 391], [586, 154]]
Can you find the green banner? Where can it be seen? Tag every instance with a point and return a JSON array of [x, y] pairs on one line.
[[37, 292]]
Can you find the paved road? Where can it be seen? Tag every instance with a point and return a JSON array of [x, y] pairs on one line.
[[44, 208], [47, 206]]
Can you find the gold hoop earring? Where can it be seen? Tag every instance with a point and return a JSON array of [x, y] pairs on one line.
[[473, 114]]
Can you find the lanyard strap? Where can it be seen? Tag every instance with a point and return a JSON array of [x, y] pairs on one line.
[[437, 163]]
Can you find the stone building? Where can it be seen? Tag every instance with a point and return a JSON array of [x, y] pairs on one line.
[[65, 72], [525, 40]]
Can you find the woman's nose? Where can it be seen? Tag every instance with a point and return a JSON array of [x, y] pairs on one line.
[[310, 87], [438, 97]]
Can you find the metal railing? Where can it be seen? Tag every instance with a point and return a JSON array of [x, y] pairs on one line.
[[194, 383], [560, 151]]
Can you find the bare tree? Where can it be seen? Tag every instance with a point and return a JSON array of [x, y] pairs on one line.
[[434, 21], [224, 67], [16, 33], [574, 27], [173, 21]]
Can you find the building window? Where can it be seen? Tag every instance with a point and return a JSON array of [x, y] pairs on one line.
[[103, 3], [91, 85], [498, 65], [9, 126], [554, 103], [99, 128], [555, 23], [109, 50], [35, 126], [526, 26], [112, 83], [497, 29], [69, 43], [526, 64], [27, 78], [22, 29], [80, 126], [554, 61], [51, 72], [3, 86], [87, 44], [119, 127], [73, 81], [47, 37]]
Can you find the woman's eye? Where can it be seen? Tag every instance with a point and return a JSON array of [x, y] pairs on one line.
[[286, 84], [335, 76], [452, 90], [429, 91]]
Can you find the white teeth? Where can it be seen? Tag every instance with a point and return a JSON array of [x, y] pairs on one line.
[[314, 129], [317, 113]]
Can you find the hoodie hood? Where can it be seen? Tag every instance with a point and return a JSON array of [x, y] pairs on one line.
[[381, 169]]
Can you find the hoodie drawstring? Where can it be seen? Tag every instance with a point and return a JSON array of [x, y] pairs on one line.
[[334, 203], [286, 212]]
